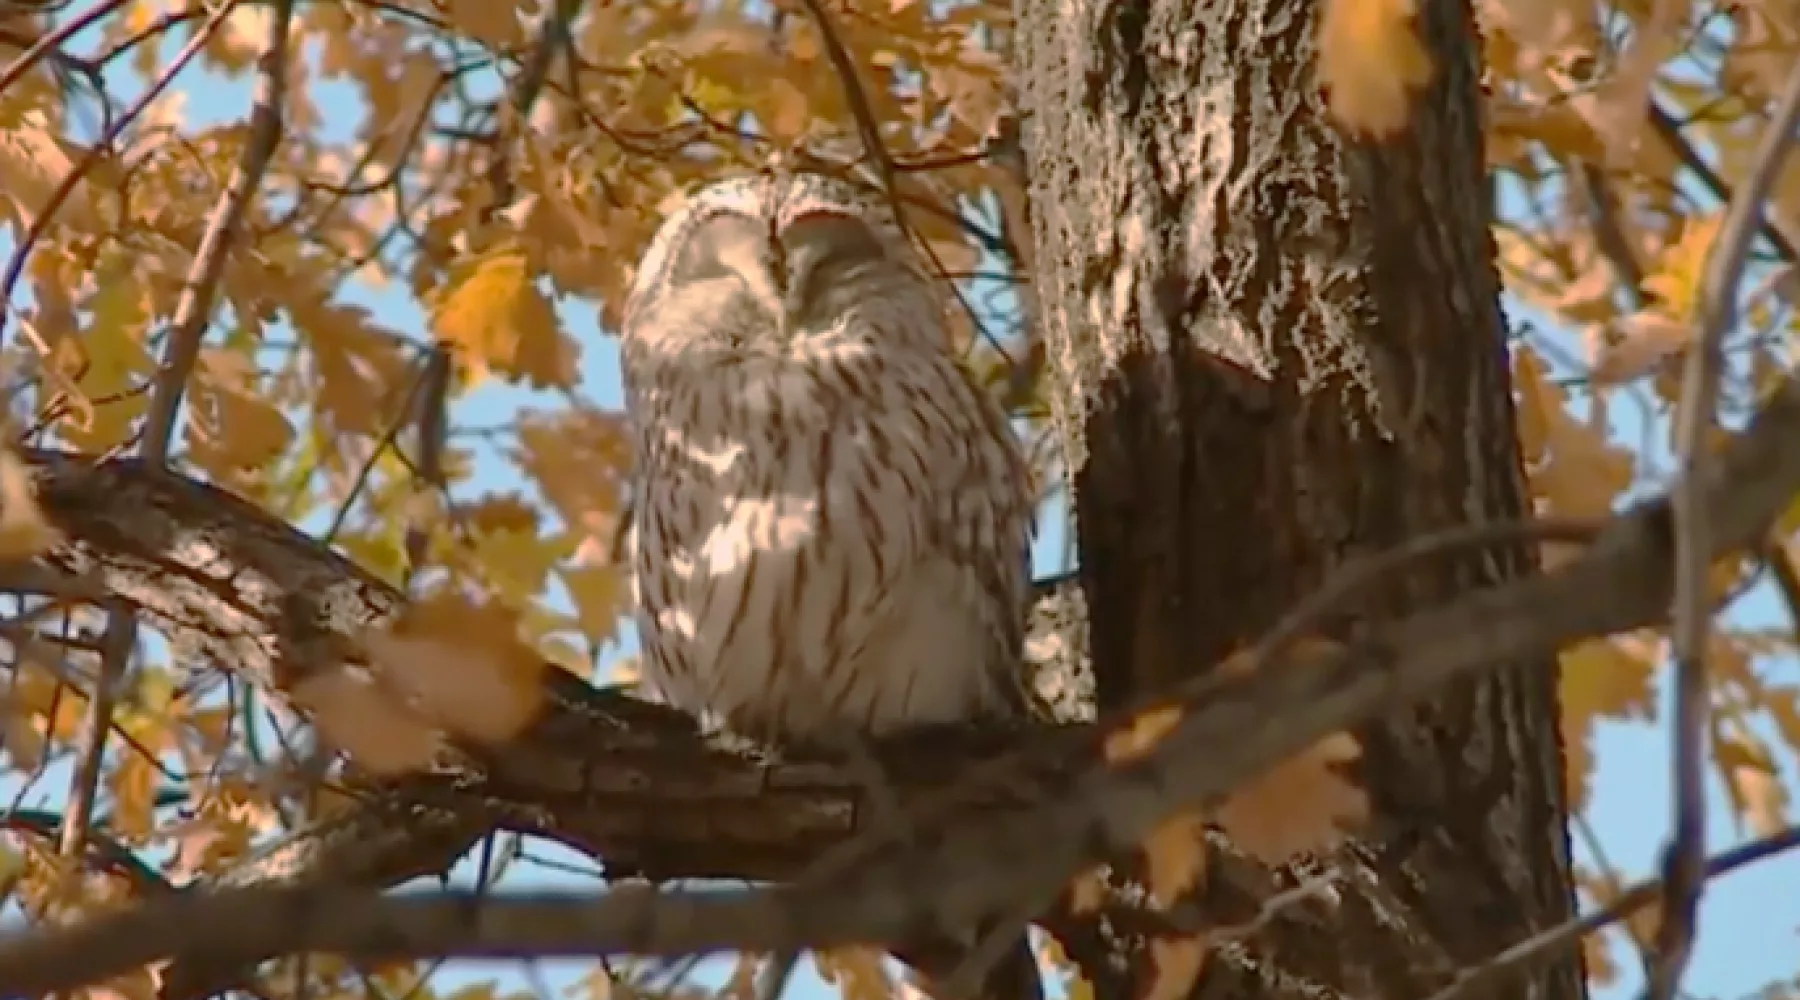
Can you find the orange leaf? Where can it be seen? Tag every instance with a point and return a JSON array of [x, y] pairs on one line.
[[1371, 60], [1304, 804], [459, 665], [353, 713]]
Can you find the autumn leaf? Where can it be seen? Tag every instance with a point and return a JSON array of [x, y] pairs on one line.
[[1304, 804], [491, 309], [461, 665], [1177, 963], [1370, 61], [1681, 268], [1175, 857], [1637, 343], [599, 595], [1753, 782], [24, 532], [1572, 466], [357, 715], [1139, 735]]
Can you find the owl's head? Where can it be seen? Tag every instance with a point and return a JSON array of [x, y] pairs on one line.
[[763, 259]]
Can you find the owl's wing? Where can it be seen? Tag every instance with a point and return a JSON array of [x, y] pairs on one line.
[[985, 524]]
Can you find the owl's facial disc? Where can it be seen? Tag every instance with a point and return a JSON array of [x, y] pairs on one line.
[[798, 277], [741, 250]]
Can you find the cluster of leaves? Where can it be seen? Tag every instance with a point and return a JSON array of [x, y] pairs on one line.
[[456, 156]]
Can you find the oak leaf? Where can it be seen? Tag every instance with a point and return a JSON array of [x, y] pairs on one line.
[[1371, 60], [491, 309]]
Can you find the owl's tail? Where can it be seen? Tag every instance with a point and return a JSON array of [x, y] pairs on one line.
[[1013, 977]]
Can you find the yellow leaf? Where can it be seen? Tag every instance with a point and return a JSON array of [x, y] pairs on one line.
[[233, 425], [23, 530], [1370, 60], [493, 23], [1601, 678], [110, 363], [1609, 678], [1683, 265], [133, 784], [598, 594], [361, 371], [33, 163], [515, 563], [578, 459], [492, 311], [858, 973], [1573, 468], [1621, 108]]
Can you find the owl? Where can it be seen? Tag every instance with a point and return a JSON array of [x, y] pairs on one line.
[[831, 518]]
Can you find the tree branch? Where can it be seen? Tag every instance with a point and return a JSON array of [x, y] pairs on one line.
[[616, 785]]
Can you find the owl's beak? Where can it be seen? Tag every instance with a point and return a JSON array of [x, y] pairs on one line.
[[762, 267]]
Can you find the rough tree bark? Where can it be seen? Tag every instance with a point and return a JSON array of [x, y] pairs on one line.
[[1274, 349]]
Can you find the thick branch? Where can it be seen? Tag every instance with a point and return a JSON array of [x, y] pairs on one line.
[[1235, 725]]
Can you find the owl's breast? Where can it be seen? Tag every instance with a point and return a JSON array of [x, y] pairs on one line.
[[787, 522]]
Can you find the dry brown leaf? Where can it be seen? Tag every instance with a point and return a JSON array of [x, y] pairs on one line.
[[1087, 890], [358, 716], [1601, 678], [1637, 344], [859, 973], [1302, 805], [23, 530], [1178, 962], [1138, 736], [1575, 471], [460, 665], [1621, 109], [1175, 855]]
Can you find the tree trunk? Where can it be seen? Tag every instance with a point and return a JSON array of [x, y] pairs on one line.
[[1275, 349]]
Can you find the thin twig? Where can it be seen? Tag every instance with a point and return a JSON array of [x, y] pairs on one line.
[[1787, 582], [15, 266], [102, 850], [431, 402], [388, 436], [120, 637], [1775, 230], [53, 39], [194, 310], [861, 111], [554, 37], [1684, 858], [1547, 945]]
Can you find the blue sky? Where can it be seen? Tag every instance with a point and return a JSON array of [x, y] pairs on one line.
[[1750, 920]]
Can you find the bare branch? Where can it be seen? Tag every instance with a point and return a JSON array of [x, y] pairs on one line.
[[1684, 861], [194, 311], [121, 634], [1548, 945]]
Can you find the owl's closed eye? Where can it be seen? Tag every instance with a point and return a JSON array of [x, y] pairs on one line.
[[800, 275]]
